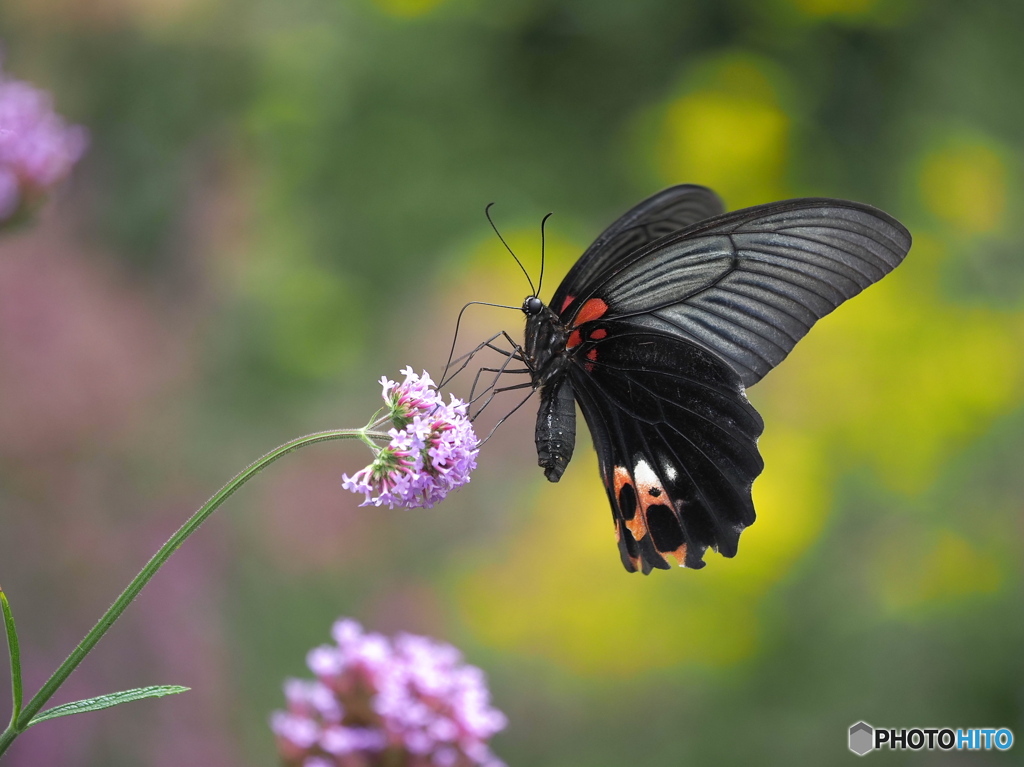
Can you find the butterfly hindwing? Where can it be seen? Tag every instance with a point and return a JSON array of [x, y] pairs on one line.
[[676, 440]]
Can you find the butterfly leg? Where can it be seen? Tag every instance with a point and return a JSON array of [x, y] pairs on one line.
[[493, 392], [466, 358], [515, 354], [499, 372], [509, 414], [492, 388]]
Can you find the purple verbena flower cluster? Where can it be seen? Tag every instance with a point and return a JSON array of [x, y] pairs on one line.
[[37, 148], [378, 701], [433, 447], [416, 395]]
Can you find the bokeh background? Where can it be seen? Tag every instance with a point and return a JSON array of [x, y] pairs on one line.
[[284, 201]]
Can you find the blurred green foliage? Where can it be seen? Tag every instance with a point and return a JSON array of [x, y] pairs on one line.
[[283, 201]]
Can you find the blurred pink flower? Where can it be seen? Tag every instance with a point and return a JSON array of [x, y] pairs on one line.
[[375, 701], [82, 353], [37, 148], [433, 447]]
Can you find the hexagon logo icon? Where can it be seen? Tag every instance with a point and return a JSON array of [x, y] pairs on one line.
[[862, 738]]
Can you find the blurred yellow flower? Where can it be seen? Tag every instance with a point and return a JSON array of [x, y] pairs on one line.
[[843, 8], [965, 183], [850, 13], [408, 9], [729, 133], [927, 569]]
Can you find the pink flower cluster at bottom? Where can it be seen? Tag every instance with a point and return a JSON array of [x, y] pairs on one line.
[[378, 701]]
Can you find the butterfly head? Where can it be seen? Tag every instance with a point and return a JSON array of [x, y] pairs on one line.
[[532, 306]]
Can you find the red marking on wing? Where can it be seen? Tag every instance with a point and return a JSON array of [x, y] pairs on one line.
[[565, 304], [592, 355], [598, 334], [591, 310]]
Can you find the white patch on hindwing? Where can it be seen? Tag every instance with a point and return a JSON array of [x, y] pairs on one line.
[[645, 476], [650, 491]]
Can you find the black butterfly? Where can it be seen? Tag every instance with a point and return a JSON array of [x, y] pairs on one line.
[[656, 331]]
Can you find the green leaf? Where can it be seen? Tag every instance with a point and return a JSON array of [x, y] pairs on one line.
[[106, 701], [12, 645]]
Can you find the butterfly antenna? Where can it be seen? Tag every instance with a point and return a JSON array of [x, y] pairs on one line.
[[487, 212], [540, 284]]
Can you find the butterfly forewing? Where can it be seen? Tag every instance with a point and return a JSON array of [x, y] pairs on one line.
[[661, 214], [748, 285]]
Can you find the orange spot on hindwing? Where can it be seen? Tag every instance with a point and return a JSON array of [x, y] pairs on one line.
[[643, 507], [659, 513], [625, 498], [574, 340], [680, 555]]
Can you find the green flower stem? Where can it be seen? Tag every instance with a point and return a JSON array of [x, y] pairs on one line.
[[15, 652], [22, 720]]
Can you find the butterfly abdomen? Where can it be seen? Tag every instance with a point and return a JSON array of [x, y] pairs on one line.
[[556, 428], [555, 435]]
